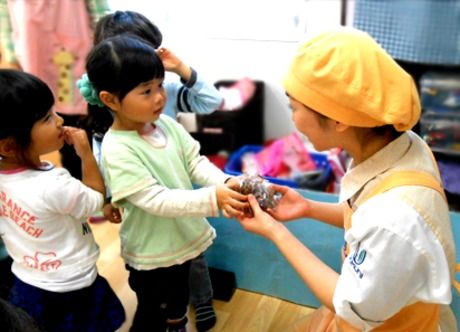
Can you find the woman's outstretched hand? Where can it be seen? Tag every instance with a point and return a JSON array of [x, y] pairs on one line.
[[260, 223], [292, 205]]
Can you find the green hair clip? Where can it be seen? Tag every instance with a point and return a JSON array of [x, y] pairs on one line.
[[88, 92]]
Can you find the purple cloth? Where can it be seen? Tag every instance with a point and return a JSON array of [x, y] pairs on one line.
[[450, 174]]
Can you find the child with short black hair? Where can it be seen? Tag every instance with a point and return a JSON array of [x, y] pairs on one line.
[[150, 164], [43, 213], [191, 94]]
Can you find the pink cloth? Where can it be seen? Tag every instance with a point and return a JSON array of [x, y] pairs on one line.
[[52, 39]]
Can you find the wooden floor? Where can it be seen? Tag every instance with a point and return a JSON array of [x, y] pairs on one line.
[[245, 312]]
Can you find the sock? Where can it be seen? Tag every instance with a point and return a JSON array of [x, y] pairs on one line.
[[205, 317], [178, 326]]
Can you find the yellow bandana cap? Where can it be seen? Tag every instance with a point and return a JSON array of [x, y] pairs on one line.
[[345, 75]]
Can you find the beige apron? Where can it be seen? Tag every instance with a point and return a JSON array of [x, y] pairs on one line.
[[418, 317]]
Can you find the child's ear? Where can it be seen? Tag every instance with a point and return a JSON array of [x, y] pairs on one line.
[[109, 100], [8, 147]]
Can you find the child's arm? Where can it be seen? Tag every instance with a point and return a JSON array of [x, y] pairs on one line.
[[203, 202], [91, 176], [173, 64], [193, 94]]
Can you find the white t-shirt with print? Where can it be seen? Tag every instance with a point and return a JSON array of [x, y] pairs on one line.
[[43, 223]]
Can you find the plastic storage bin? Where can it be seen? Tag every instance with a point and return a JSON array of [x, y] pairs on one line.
[[234, 164], [441, 130], [440, 91]]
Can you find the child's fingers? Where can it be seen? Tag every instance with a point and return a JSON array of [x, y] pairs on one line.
[[230, 212], [238, 204]]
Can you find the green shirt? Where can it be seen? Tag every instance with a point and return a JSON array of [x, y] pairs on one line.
[[177, 231]]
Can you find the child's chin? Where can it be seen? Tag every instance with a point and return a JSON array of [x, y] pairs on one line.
[[60, 146]]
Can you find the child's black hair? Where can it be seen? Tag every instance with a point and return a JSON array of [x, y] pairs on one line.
[[119, 64], [24, 99], [99, 120], [127, 22], [14, 319]]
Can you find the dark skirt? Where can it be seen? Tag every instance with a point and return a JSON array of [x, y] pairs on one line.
[[95, 308]]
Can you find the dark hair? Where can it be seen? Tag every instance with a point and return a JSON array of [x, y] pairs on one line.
[[119, 64], [24, 99], [100, 119], [14, 319], [130, 22]]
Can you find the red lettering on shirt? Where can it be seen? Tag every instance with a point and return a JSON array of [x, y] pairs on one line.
[[20, 216]]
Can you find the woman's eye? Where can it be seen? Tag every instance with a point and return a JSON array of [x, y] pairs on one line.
[[146, 92]]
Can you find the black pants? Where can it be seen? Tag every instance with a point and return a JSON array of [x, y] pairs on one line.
[[161, 293], [6, 277]]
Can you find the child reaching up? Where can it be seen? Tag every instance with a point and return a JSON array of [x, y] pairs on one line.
[[150, 163], [43, 214]]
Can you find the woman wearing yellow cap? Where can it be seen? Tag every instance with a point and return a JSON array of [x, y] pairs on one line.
[[398, 262]]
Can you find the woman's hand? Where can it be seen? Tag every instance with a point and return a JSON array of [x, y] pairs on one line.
[[261, 222], [292, 205]]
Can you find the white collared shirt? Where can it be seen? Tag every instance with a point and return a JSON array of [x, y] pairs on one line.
[[395, 258]]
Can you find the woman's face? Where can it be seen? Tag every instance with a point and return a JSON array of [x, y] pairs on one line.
[[317, 129]]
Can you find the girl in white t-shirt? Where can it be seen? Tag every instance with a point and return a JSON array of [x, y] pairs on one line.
[[43, 212]]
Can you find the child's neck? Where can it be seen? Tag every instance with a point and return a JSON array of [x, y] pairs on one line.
[[141, 128], [7, 165]]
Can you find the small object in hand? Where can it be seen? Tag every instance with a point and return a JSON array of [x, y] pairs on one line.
[[256, 185]]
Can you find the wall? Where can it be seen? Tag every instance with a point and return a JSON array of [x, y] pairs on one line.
[[209, 35]]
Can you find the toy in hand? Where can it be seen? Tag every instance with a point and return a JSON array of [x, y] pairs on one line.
[[256, 185]]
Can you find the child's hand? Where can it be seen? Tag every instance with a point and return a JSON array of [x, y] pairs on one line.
[[112, 214], [233, 183], [231, 203], [172, 63], [78, 139]]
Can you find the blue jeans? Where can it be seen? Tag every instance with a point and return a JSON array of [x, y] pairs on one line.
[[199, 281]]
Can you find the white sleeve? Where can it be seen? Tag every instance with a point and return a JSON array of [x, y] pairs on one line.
[[161, 201], [394, 261], [67, 195], [202, 171]]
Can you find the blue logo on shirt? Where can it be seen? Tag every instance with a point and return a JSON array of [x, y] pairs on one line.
[[357, 259]]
